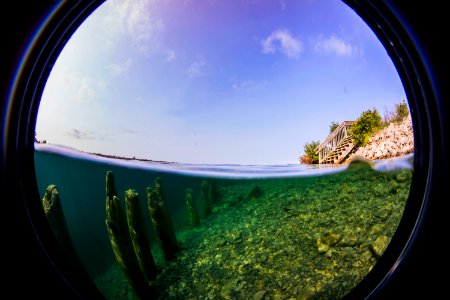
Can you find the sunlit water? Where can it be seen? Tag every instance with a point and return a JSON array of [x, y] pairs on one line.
[[276, 231]]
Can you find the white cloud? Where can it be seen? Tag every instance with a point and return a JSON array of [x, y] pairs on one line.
[[195, 69], [170, 55], [88, 89], [120, 69], [83, 134], [83, 89], [134, 18], [248, 85], [282, 40], [336, 46]]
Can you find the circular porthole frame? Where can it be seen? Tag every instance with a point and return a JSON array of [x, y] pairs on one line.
[[409, 243]]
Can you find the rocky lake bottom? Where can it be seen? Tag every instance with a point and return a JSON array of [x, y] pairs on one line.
[[288, 238]]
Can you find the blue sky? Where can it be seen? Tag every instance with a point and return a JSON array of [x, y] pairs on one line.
[[212, 81]]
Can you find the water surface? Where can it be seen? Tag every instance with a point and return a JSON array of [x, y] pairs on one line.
[[274, 232]]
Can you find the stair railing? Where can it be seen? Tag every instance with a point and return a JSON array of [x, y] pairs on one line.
[[333, 140]]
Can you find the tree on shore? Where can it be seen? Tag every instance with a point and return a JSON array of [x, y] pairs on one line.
[[333, 126], [310, 156], [401, 111], [369, 123], [365, 126]]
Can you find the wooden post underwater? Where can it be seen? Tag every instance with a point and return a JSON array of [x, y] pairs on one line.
[[139, 239], [213, 192], [205, 202], [120, 240], [192, 208], [55, 216], [161, 221]]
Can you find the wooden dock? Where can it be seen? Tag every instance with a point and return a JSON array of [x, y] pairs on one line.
[[337, 145]]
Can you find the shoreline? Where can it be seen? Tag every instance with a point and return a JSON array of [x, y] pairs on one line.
[[129, 158], [348, 160]]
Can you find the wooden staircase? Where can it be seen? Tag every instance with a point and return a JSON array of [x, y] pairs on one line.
[[336, 146], [337, 155]]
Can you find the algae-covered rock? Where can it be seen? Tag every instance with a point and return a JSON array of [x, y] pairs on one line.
[[394, 187], [330, 239], [379, 245], [225, 292], [403, 176], [259, 295], [326, 241], [358, 163], [305, 293]]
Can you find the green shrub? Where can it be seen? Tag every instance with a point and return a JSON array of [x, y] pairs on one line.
[[401, 111], [365, 126], [333, 126], [310, 157]]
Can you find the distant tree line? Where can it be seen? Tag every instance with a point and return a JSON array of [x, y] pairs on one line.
[[38, 141], [369, 123]]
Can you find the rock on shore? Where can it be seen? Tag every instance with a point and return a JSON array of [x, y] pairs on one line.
[[393, 141]]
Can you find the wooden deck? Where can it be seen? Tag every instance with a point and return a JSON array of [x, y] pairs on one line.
[[336, 146]]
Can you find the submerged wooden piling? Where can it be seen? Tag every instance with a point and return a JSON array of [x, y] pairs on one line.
[[205, 201], [138, 235], [213, 192], [192, 208], [120, 240], [161, 221], [55, 216]]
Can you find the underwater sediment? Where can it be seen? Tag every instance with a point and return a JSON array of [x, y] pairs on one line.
[[282, 238]]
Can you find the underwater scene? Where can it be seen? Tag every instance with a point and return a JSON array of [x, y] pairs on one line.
[[154, 230]]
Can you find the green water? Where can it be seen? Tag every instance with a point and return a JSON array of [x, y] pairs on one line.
[[276, 238]]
